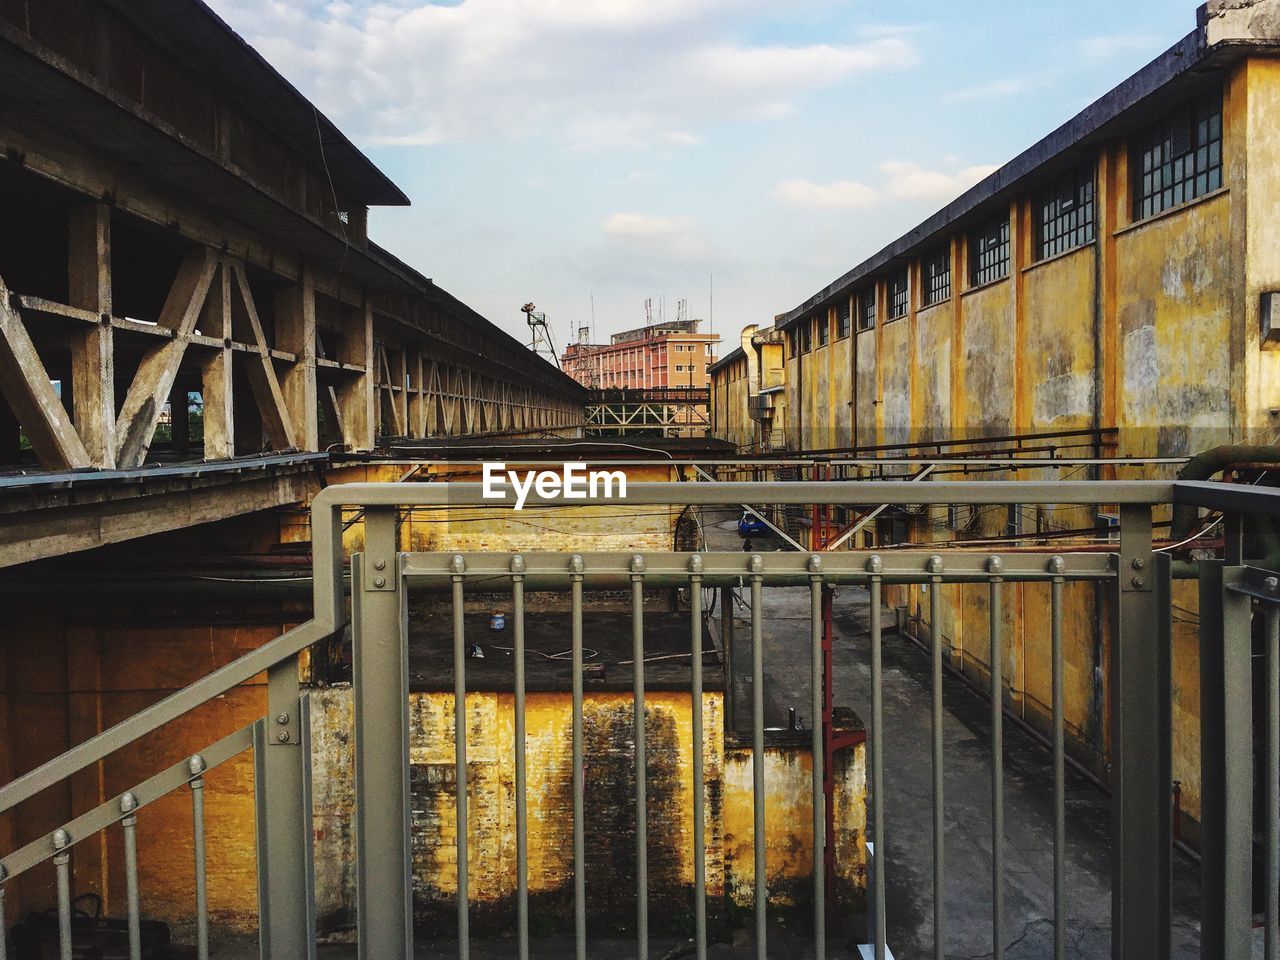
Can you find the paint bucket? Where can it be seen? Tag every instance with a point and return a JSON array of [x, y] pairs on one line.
[[497, 620]]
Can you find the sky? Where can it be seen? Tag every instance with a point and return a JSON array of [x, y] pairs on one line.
[[736, 154]]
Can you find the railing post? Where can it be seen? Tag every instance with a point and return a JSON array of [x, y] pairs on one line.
[[286, 876], [1141, 766], [1226, 765], [384, 902]]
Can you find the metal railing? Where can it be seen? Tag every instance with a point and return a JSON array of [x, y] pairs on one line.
[[1137, 576]]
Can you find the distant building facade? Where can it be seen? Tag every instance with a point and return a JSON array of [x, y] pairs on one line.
[[663, 355]]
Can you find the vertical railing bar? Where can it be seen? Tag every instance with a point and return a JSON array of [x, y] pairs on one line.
[[1272, 947], [579, 833], [637, 710], [756, 566], [699, 774], [62, 865], [1056, 566], [935, 722], [994, 566], [879, 854], [197, 766], [522, 810], [818, 748], [129, 806], [460, 753]]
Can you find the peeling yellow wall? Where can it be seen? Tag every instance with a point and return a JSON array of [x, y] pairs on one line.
[[789, 803], [1152, 329], [608, 807]]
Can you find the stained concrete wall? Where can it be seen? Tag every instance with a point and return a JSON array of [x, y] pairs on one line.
[[608, 811]]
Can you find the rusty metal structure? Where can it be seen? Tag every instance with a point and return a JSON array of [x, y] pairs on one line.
[[186, 272]]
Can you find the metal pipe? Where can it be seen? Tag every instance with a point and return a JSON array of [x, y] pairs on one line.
[[877, 763], [818, 748], [579, 841], [522, 802], [129, 806], [1059, 766], [699, 774], [1272, 944], [460, 754], [997, 763], [62, 865], [757, 754], [939, 821], [197, 766], [637, 711]]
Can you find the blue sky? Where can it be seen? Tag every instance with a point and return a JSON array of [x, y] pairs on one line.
[[556, 150]]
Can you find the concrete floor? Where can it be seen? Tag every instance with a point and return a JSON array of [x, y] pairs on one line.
[[1028, 929]]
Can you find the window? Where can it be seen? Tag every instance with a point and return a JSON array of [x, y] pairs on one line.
[[867, 309], [842, 320], [806, 337], [824, 328], [989, 251], [937, 277], [793, 340], [899, 295], [1179, 157], [1065, 218]]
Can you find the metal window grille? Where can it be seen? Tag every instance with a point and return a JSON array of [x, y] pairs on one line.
[[937, 277], [824, 328], [899, 294], [1181, 157], [867, 309], [1066, 214], [842, 320], [989, 251], [806, 337]]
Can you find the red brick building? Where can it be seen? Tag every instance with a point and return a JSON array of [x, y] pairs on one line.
[[672, 354]]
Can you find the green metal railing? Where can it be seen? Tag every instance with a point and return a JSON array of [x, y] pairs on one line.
[[1137, 576]]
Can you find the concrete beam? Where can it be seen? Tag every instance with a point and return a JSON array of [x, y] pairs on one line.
[[126, 512], [278, 419], [93, 392], [136, 425], [25, 383]]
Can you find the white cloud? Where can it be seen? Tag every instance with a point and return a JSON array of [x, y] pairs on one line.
[[841, 193], [903, 181], [591, 73], [909, 181], [643, 225], [1106, 47], [995, 90]]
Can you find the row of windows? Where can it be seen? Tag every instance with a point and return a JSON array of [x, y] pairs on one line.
[[1174, 161]]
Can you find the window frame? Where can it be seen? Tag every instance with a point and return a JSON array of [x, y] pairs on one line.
[[898, 298], [823, 324], [867, 308], [991, 234], [843, 319], [1160, 178], [1062, 228], [933, 291]]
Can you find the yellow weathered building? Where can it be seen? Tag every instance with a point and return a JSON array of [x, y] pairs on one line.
[[1119, 278]]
